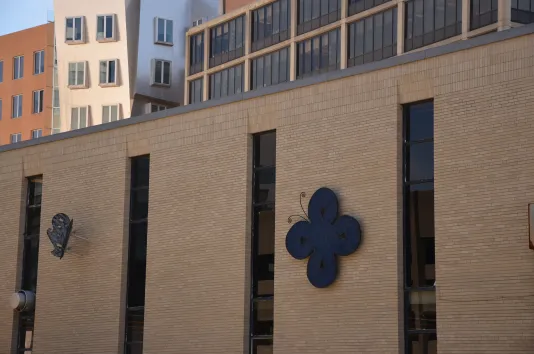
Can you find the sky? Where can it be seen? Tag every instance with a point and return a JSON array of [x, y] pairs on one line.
[[16, 15]]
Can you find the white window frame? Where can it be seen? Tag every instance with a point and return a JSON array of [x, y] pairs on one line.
[[76, 74], [82, 26], [165, 36], [20, 74], [162, 74], [104, 38], [36, 133], [109, 113], [40, 54], [18, 138], [108, 83], [78, 117], [159, 107], [40, 105], [15, 113]]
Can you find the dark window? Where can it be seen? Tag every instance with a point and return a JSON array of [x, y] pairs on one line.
[[523, 11], [196, 56], [377, 42], [227, 41], [270, 69], [430, 21], [226, 82], [263, 231], [30, 259], [196, 90], [313, 14], [271, 24], [418, 226], [318, 54], [483, 13], [357, 6], [135, 293]]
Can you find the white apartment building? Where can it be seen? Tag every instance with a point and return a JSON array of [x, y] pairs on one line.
[[121, 58]]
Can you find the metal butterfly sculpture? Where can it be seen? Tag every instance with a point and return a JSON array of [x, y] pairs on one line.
[[59, 234], [322, 237]]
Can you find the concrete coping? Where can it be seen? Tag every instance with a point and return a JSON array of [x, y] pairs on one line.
[[409, 57]]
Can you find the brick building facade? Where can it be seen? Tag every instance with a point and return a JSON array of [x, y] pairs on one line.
[[343, 130]]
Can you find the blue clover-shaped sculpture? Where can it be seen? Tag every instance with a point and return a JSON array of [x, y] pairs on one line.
[[323, 237]]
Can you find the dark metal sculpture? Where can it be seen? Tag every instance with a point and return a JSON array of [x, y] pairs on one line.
[[59, 234], [323, 236]]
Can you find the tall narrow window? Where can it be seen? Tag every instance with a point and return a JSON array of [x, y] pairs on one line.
[[30, 257], [418, 225], [263, 230], [0, 109], [16, 107], [1, 71], [38, 62], [227, 41], [135, 293], [274, 31], [74, 29], [18, 67], [317, 13], [38, 101], [523, 11], [108, 72], [196, 55], [380, 44], [105, 27], [430, 21]]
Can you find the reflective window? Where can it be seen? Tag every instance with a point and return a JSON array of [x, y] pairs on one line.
[[38, 97], [419, 246], [263, 238], [108, 71], [271, 24], [270, 69], [318, 54], [196, 53], [164, 31], [110, 113], [38, 62], [78, 118], [77, 74], [16, 106], [196, 90], [15, 138], [36, 133], [226, 82], [430, 21], [227, 41], [313, 14], [357, 6], [18, 67], [483, 13], [74, 29], [105, 27], [1, 71], [161, 72], [523, 11], [373, 38]]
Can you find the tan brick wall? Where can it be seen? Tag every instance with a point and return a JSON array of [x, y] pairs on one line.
[[344, 134]]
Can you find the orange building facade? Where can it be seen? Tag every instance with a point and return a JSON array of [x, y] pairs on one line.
[[231, 5], [26, 73]]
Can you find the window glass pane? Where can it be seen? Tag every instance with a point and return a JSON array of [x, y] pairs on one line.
[[267, 71], [111, 75], [74, 119], [109, 27], [284, 65], [266, 153], [388, 28], [239, 79], [134, 327], [307, 10], [368, 35], [1, 71], [428, 16], [80, 76], [421, 161], [139, 204], [232, 35], [105, 114], [114, 113], [217, 85], [276, 17], [324, 51], [275, 67], [422, 313], [265, 186], [421, 121], [141, 167], [378, 27], [231, 81], [422, 343], [69, 33], [262, 346], [324, 7], [360, 38], [137, 264], [100, 27], [158, 72], [103, 71], [41, 61], [169, 32], [264, 252], [262, 317], [167, 73], [254, 74], [161, 30], [450, 16], [224, 83], [72, 74], [260, 72], [239, 32], [78, 28], [418, 18], [83, 117], [409, 19], [284, 15], [316, 8], [308, 56]]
